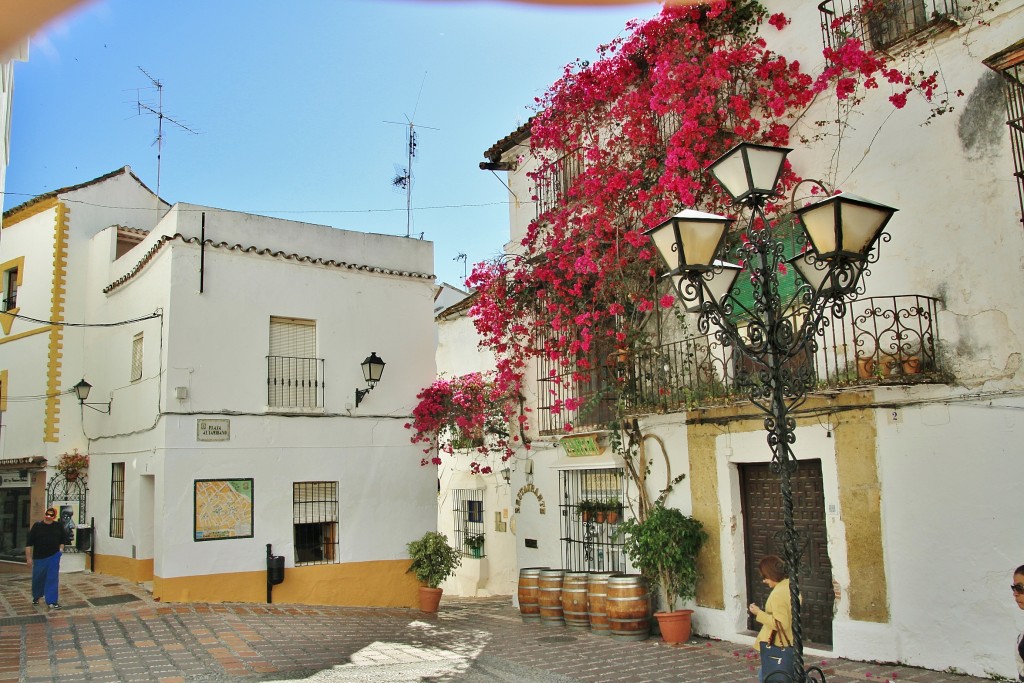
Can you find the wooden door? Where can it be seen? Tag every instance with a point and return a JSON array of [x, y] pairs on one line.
[[763, 534]]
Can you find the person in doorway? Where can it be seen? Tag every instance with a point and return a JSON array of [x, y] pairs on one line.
[[1018, 594], [42, 553], [777, 614]]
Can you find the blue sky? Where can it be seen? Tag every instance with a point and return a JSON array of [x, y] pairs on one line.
[[291, 101]]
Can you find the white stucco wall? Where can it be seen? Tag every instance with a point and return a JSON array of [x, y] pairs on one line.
[[948, 508]]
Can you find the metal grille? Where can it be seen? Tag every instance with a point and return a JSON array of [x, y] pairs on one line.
[[882, 23], [117, 500], [295, 382], [1014, 89], [553, 181], [589, 544], [468, 509], [70, 496], [137, 357], [315, 520], [11, 289]]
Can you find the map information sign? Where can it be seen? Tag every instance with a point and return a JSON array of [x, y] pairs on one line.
[[223, 509]]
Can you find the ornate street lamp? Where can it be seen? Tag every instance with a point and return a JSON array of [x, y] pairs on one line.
[[769, 332]]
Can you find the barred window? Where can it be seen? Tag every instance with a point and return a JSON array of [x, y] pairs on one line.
[[117, 500], [884, 23], [137, 357], [1010, 64], [10, 283], [294, 373], [315, 520], [589, 541], [468, 508]]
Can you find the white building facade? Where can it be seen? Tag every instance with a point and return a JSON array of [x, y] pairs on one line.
[[902, 488], [224, 354]]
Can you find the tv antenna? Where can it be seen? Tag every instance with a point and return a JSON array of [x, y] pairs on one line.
[[403, 177], [158, 111], [462, 257]]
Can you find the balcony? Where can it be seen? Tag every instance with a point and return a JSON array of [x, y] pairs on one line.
[[295, 382], [881, 341], [881, 24]]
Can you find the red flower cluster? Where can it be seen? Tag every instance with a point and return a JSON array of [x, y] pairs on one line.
[[628, 137], [462, 410]]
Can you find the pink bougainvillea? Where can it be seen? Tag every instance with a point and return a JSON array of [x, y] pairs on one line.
[[627, 138], [468, 411]]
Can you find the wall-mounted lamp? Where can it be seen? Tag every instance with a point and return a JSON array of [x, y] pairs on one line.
[[506, 474], [82, 390], [372, 367]]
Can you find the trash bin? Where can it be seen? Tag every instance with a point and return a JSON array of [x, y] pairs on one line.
[[275, 569], [83, 539]]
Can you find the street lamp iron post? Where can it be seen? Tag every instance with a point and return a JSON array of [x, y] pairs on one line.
[[777, 338]]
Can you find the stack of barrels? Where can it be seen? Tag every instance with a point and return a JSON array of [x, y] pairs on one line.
[[607, 603]]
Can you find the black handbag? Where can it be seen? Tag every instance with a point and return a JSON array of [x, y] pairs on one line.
[[776, 660]]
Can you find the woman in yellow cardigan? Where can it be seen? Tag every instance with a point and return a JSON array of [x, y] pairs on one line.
[[778, 606]]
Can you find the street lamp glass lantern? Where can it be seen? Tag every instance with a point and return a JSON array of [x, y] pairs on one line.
[[719, 284], [749, 171], [82, 390], [690, 240], [827, 279], [373, 368], [844, 225]]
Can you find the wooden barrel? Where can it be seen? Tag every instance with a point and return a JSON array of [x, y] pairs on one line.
[[574, 599], [528, 592], [629, 607], [597, 604], [550, 597]]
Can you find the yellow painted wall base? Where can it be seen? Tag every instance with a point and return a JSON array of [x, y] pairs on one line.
[[124, 567], [383, 583]]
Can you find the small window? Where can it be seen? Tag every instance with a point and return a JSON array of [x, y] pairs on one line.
[[1010, 64], [137, 357], [315, 521], [469, 521], [117, 500], [294, 373], [10, 289]]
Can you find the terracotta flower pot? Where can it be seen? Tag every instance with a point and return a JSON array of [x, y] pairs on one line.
[[912, 365], [612, 517], [675, 626], [866, 367], [430, 598]]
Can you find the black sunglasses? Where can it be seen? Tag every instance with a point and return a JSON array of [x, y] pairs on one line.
[[50, 514], [1017, 588]]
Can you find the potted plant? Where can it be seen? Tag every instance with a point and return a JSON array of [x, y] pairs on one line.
[[586, 509], [475, 543], [72, 464], [433, 561], [612, 510], [664, 547]]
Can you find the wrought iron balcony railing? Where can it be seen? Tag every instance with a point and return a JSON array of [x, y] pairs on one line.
[[881, 24], [882, 340], [295, 382]]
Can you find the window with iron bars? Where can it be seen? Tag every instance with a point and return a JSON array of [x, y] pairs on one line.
[[589, 544], [117, 500], [315, 521], [468, 510], [10, 300], [137, 349], [882, 23], [553, 182], [294, 373], [1010, 64]]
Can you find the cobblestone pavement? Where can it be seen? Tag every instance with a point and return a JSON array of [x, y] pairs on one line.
[[112, 630]]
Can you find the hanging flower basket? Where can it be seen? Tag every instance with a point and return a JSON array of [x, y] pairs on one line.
[[72, 464]]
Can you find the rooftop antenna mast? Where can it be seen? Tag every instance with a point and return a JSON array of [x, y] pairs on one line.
[[158, 111], [403, 176]]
